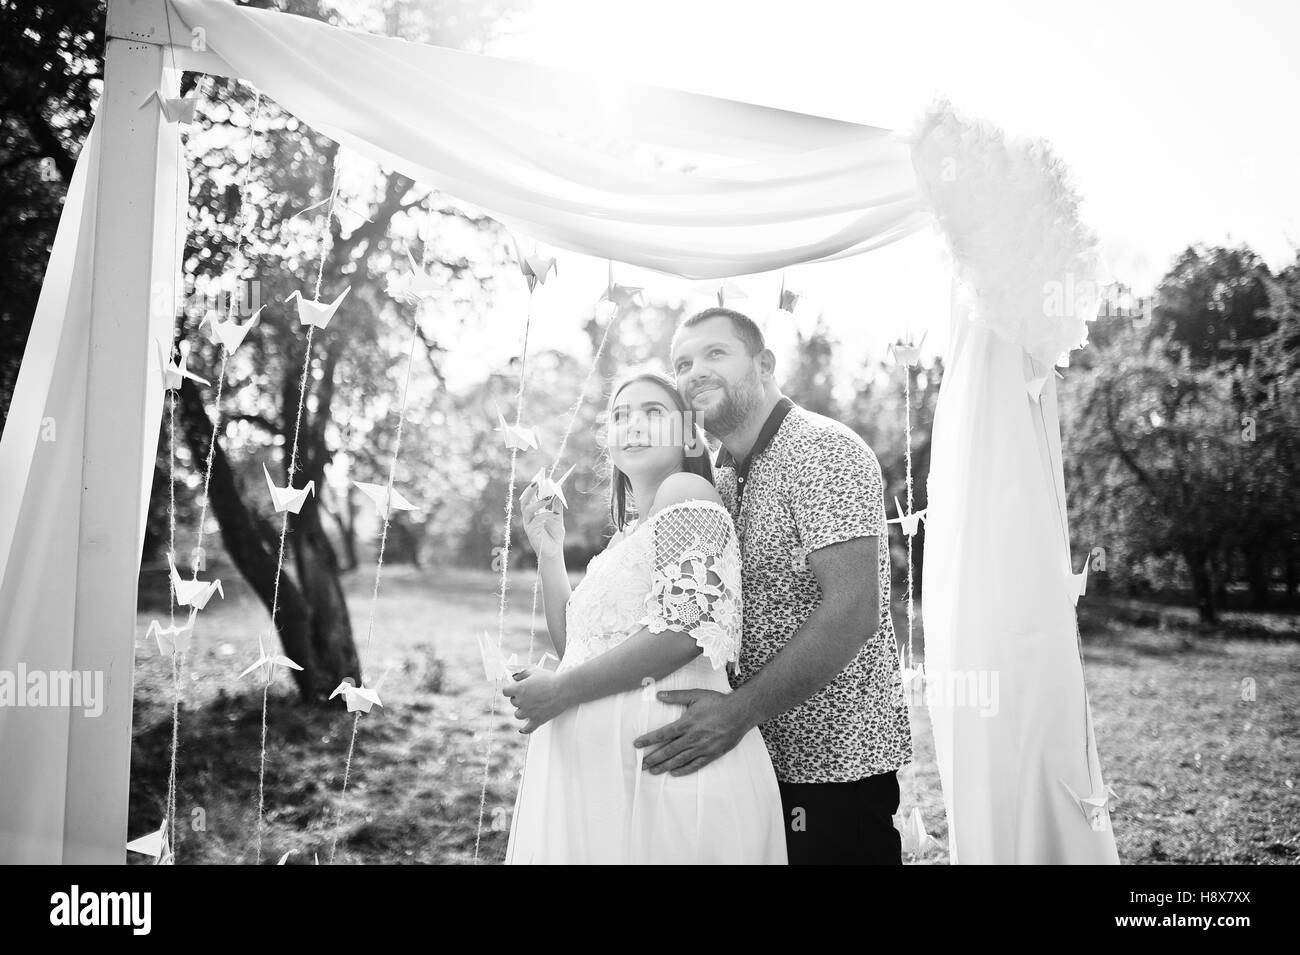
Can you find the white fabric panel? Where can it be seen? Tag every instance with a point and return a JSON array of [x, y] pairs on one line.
[[40, 505], [562, 160], [998, 618]]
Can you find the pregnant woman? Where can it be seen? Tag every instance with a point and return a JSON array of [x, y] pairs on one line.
[[659, 609]]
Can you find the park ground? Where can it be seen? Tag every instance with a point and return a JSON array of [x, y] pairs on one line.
[[1198, 730]]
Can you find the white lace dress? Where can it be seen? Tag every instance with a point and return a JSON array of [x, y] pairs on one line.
[[584, 797]]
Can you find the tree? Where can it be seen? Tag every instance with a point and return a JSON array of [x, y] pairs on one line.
[[350, 374], [51, 68]]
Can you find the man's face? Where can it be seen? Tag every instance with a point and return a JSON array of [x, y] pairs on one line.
[[715, 375]]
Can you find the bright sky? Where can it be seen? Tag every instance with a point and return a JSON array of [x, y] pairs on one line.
[[1176, 121]]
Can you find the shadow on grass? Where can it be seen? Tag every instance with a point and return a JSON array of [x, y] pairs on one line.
[[424, 773]]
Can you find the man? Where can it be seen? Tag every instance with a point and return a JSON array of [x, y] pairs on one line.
[[818, 671]]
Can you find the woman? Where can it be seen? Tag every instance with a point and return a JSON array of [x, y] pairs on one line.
[[659, 609]]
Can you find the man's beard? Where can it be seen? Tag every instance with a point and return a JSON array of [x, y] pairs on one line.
[[738, 402]]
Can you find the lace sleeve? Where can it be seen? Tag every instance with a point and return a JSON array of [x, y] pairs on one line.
[[695, 584]]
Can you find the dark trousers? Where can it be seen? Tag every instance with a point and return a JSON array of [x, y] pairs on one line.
[[842, 823]]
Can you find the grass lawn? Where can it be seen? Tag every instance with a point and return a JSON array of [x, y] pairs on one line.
[[1202, 774]]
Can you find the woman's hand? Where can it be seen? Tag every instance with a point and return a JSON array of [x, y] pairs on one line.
[[538, 695], [544, 527]]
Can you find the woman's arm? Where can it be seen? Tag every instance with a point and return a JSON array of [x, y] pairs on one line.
[[642, 656], [545, 531], [539, 695], [555, 598]]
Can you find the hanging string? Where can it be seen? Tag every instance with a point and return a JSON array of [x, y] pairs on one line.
[[907, 457], [559, 456], [505, 572], [327, 243], [383, 539], [238, 257], [169, 809]]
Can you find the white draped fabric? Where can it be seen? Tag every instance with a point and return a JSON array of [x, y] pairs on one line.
[[1004, 681], [685, 184], [574, 164]]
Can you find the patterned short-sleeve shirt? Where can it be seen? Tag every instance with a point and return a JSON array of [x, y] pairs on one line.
[[814, 483]]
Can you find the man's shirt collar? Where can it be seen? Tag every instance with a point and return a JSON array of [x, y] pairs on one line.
[[770, 426]]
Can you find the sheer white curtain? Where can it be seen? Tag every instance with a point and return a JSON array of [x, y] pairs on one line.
[[1004, 681], [596, 168]]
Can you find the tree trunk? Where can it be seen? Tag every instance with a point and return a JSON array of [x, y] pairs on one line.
[[1257, 574], [310, 633], [1198, 565]]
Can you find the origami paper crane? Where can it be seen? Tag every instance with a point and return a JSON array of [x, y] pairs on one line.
[[317, 313], [229, 332], [195, 593], [267, 663], [288, 498], [356, 697], [915, 839], [1079, 582], [516, 437], [175, 638], [1034, 382], [905, 354], [788, 300], [497, 666], [154, 844], [548, 655], [348, 218], [380, 495], [418, 284], [729, 290], [534, 267], [175, 110], [174, 372], [1096, 806], [913, 678], [614, 291], [908, 522], [548, 490]]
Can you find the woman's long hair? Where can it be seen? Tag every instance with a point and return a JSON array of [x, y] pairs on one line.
[[693, 463]]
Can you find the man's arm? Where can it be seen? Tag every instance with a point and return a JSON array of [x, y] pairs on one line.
[[847, 616]]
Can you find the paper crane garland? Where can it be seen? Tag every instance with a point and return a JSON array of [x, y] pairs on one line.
[[317, 313], [534, 267], [607, 305], [418, 284], [288, 498], [229, 332], [915, 839], [357, 698], [787, 299], [266, 663], [154, 844], [174, 372], [1035, 382], [497, 666], [905, 354], [384, 498], [516, 437], [549, 490], [348, 218], [175, 109], [729, 290], [175, 638], [195, 593], [908, 522], [1079, 582], [1096, 806]]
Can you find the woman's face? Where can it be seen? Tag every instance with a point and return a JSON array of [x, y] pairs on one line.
[[645, 432]]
